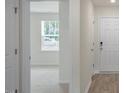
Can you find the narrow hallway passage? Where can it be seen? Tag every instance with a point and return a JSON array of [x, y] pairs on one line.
[[105, 83]]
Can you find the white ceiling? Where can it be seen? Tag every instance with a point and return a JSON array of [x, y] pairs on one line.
[[44, 6], [105, 3]]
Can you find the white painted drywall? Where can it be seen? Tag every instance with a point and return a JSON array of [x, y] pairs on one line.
[[40, 57], [44, 6], [70, 44], [87, 17], [99, 12], [105, 3]]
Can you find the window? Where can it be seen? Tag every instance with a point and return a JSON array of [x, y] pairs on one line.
[[50, 35]]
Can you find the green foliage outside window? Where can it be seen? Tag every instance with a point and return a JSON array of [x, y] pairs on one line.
[[51, 27], [51, 30]]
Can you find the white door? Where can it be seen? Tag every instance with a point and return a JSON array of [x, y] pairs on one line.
[[11, 46], [109, 43]]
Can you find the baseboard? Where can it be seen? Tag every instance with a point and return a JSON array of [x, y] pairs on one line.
[[63, 82], [96, 72], [109, 72], [88, 86], [64, 86], [105, 72]]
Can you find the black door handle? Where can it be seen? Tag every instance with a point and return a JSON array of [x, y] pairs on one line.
[[101, 43]]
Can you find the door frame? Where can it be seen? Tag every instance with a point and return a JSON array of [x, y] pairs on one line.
[[24, 52], [99, 35], [24, 46]]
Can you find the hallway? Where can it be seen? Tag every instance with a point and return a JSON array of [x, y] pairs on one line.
[[105, 83], [62, 46]]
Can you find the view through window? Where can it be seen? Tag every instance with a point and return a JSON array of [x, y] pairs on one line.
[[50, 35]]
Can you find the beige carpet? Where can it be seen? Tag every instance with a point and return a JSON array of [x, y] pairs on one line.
[[105, 83]]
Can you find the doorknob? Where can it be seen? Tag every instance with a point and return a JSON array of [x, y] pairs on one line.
[[101, 43]]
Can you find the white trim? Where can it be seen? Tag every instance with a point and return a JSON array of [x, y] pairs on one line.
[[74, 24], [109, 72], [96, 72], [105, 72], [63, 82], [24, 46], [88, 86]]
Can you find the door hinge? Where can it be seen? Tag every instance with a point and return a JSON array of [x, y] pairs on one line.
[[93, 65], [15, 10], [29, 57], [16, 51], [16, 91], [93, 21]]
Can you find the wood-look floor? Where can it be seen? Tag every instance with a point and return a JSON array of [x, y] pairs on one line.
[[105, 83]]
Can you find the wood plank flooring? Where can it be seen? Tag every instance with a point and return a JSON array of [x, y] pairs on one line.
[[105, 83]]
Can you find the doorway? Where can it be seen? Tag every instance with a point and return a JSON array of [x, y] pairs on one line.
[[70, 32], [45, 48], [44, 34]]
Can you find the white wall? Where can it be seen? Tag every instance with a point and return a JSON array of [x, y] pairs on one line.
[[106, 12], [44, 6], [41, 57], [70, 44], [87, 28]]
